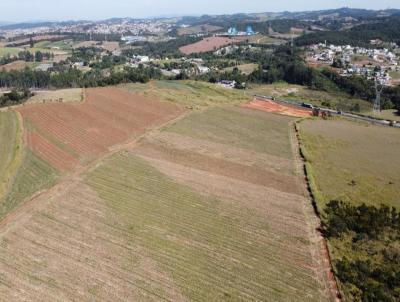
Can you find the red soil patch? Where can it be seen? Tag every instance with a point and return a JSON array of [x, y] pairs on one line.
[[271, 106], [55, 156], [109, 116], [207, 44]]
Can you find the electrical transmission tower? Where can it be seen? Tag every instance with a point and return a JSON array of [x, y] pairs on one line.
[[378, 91]]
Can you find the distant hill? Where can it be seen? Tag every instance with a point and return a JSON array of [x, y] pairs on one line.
[[27, 25], [386, 29], [333, 19], [339, 13]]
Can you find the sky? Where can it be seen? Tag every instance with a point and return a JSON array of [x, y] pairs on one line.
[[33, 10]]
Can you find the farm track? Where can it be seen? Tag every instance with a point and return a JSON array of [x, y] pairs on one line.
[[37, 201], [69, 222], [319, 248]]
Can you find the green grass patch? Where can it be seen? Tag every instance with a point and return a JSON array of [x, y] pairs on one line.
[[12, 51], [10, 148], [191, 94], [239, 127], [33, 175], [55, 45], [212, 251]]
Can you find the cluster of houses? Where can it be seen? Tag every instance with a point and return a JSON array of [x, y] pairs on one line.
[[196, 63], [370, 62]]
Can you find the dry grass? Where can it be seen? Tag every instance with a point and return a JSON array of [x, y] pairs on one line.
[[245, 68], [11, 147], [198, 29], [62, 95], [191, 94], [243, 128], [210, 208], [353, 162], [17, 65], [214, 249], [207, 45]]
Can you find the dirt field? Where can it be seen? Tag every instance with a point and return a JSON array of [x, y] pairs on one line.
[[207, 44], [210, 207], [107, 117], [206, 151], [110, 46], [245, 68], [274, 107], [17, 65], [198, 29]]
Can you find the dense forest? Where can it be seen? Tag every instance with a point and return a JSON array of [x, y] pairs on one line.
[[387, 29], [161, 49], [369, 236]]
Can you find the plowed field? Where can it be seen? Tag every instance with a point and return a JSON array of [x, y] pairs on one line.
[[107, 117], [207, 206]]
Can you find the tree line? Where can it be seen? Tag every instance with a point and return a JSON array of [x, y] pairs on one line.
[[367, 239], [14, 97], [73, 77], [27, 56], [387, 29]]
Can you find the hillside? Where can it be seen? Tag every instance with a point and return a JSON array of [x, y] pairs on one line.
[[387, 29], [128, 196]]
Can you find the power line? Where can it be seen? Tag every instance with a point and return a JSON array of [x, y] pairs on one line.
[[378, 92]]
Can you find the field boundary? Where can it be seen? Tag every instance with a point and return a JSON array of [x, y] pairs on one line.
[[313, 216], [42, 198], [16, 162]]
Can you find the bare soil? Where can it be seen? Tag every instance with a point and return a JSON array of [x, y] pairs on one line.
[[271, 106], [107, 117], [207, 44]]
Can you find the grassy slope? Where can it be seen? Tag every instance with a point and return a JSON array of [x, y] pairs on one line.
[[245, 68], [303, 94], [193, 95], [340, 152], [230, 126], [21, 172], [212, 255], [4, 51], [33, 175], [10, 149]]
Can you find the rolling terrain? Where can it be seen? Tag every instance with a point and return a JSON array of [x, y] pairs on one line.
[[142, 200]]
